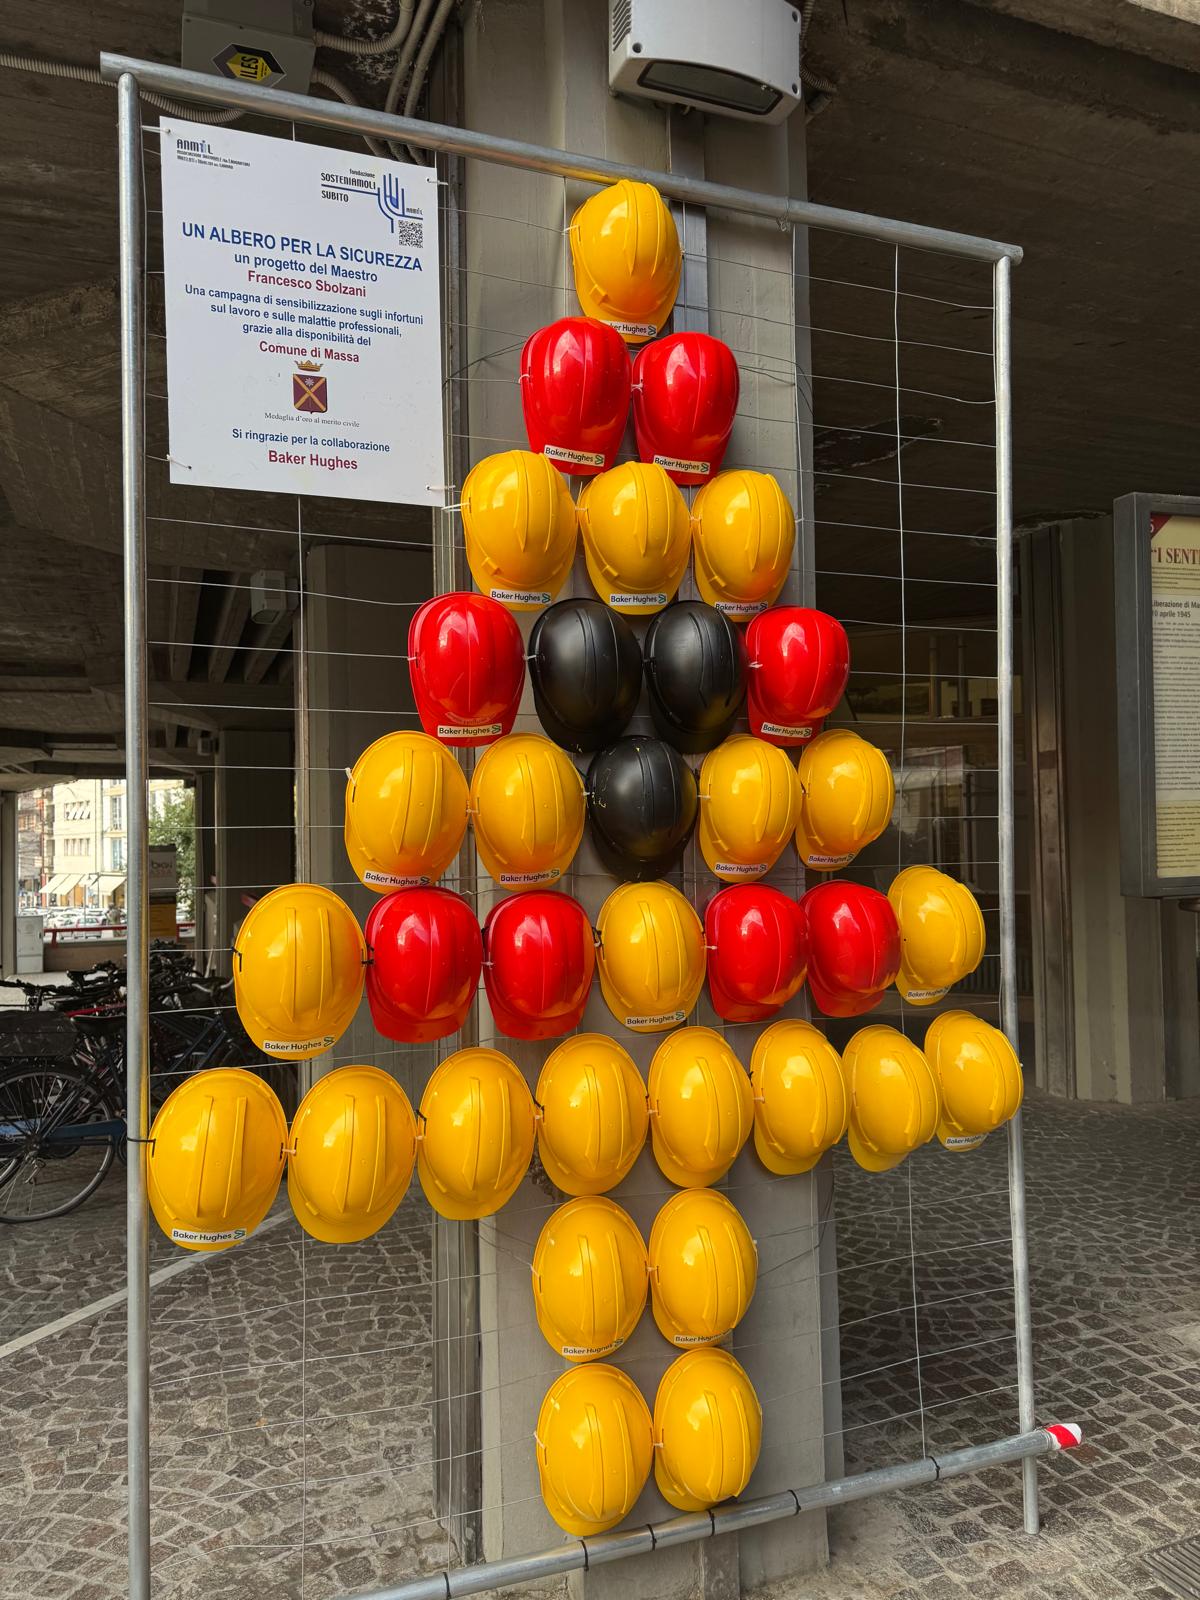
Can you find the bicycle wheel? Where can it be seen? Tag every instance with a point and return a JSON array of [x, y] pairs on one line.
[[59, 1133]]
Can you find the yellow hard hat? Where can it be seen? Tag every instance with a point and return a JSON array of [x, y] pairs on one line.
[[216, 1157], [707, 1430], [749, 798], [703, 1267], [519, 526], [354, 1141], [744, 531], [590, 1278], [627, 260], [701, 1107], [634, 523], [846, 798], [298, 965], [476, 1136], [894, 1104], [594, 1447], [801, 1107], [650, 957], [941, 933], [594, 1118], [528, 807], [978, 1077], [406, 812]]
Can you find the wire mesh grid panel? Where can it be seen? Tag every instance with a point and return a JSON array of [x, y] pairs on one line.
[[330, 1418]]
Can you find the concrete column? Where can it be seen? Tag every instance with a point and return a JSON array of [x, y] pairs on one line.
[[1133, 1013], [536, 69], [252, 808]]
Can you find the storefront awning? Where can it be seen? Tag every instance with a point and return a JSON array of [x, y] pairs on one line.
[[64, 882], [109, 882]]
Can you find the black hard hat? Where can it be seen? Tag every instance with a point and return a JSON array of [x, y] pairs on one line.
[[696, 675], [586, 667], [642, 801]]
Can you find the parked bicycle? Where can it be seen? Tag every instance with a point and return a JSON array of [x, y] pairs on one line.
[[62, 1073]]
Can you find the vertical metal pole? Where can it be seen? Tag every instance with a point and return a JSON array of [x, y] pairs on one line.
[[137, 1045], [1008, 907]]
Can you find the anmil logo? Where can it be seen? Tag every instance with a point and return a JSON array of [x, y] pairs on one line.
[[194, 147]]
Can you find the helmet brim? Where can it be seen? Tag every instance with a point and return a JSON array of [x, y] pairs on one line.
[[393, 1023], [746, 872], [605, 590], [329, 1232], [684, 1177], [871, 1160], [570, 1182], [671, 1492], [781, 1165], [457, 1210]]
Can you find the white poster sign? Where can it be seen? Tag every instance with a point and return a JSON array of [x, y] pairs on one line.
[[303, 329]]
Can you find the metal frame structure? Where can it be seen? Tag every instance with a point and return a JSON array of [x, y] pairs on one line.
[[132, 78], [1135, 694]]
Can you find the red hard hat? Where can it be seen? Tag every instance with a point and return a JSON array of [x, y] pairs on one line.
[[575, 378], [426, 958], [853, 946], [540, 957], [467, 666], [685, 394], [757, 951], [799, 662]]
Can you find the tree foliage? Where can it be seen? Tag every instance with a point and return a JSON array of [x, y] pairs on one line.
[[176, 824]]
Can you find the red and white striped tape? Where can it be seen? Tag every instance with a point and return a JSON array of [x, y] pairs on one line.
[[1066, 1435]]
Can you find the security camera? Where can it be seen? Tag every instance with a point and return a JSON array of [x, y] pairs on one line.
[[740, 60]]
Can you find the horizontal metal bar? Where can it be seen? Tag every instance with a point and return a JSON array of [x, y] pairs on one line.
[[361, 120], [581, 1554]]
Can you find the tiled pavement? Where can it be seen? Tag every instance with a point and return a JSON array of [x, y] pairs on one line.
[[1114, 1199]]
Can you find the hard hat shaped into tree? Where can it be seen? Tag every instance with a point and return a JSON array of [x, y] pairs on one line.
[[594, 1117], [650, 957], [701, 1107], [585, 665], [528, 808], [749, 801], [685, 397], [744, 531], [519, 524], [707, 1430], [426, 959], [799, 663], [216, 1155], [406, 812], [942, 936], [298, 964], [590, 1278], [466, 660], [642, 803], [476, 1134], [627, 260], [894, 1103], [695, 668], [539, 958], [594, 1448], [353, 1145], [703, 1268], [853, 947], [757, 942], [979, 1078], [801, 1104], [846, 798], [634, 525], [575, 378]]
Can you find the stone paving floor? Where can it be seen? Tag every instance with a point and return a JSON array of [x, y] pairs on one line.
[[1114, 1203]]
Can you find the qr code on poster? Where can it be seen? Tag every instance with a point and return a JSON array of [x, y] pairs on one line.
[[410, 233]]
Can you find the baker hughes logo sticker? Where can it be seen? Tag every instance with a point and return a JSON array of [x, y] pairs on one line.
[[195, 1236], [293, 1047], [573, 458], [389, 880]]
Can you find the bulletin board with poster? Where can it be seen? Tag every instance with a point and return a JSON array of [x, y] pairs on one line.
[[1157, 555]]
